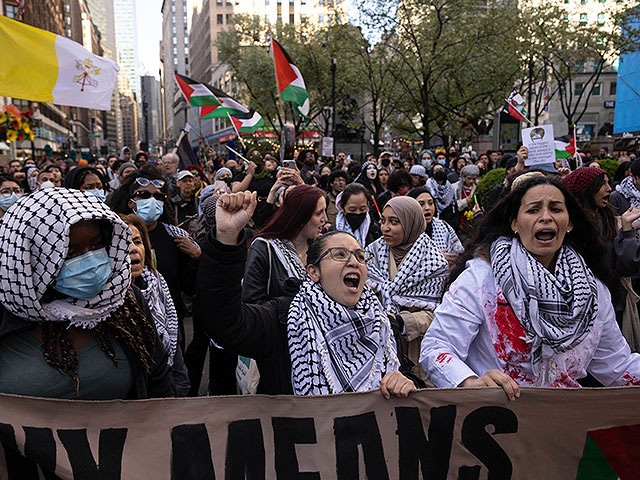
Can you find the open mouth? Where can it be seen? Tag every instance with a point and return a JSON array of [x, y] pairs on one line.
[[605, 199], [135, 262], [545, 235], [352, 281]]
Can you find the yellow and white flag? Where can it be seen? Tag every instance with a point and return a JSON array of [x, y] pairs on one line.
[[44, 67]]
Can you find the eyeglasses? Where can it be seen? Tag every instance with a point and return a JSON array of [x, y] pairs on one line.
[[144, 195], [9, 191], [143, 182], [342, 255]]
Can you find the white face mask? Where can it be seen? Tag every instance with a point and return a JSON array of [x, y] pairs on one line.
[[47, 184]]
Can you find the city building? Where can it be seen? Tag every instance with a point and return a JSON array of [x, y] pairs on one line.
[[151, 128], [174, 55], [129, 110], [102, 14], [207, 18], [127, 41]]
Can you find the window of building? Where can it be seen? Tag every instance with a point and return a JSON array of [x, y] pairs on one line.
[[303, 2], [175, 40], [186, 40], [583, 2], [175, 50], [68, 32], [266, 3], [186, 50], [173, 19], [219, 3], [267, 19], [173, 9], [601, 19], [597, 89], [175, 60], [279, 18], [320, 19], [184, 20], [583, 18], [228, 19], [173, 30], [184, 8], [292, 18], [11, 10], [577, 91], [220, 19], [67, 20], [612, 88], [67, 7], [186, 60]]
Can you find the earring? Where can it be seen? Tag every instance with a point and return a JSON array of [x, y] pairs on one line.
[[515, 232], [569, 230]]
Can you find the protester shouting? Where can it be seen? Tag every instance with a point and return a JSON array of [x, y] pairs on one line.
[[329, 335], [531, 306]]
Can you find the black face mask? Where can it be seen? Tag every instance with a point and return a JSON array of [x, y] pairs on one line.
[[355, 219], [440, 175], [227, 181], [385, 162]]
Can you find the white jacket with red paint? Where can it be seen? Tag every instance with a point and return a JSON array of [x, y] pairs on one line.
[[475, 330]]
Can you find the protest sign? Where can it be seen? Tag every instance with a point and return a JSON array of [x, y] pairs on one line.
[[434, 434], [541, 145]]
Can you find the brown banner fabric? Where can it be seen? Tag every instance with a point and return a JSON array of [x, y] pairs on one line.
[[434, 434]]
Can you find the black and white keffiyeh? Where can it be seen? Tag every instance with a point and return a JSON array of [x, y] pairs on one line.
[[162, 310], [557, 309], [629, 191], [443, 195], [336, 349], [420, 279], [34, 241], [444, 236], [287, 256], [360, 234], [174, 231]]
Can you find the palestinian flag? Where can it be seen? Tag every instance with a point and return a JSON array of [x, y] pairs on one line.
[[565, 147], [249, 122], [289, 80], [213, 103], [515, 107], [610, 454]]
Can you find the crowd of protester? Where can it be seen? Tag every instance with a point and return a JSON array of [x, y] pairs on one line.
[[333, 276]]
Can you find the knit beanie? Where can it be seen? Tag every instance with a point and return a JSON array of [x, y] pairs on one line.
[[581, 177]]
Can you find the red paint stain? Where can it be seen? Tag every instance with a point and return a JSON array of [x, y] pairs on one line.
[[443, 358], [630, 379]]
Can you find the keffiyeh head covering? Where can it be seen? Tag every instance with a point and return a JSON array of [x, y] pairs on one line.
[[409, 212], [34, 241], [557, 309]]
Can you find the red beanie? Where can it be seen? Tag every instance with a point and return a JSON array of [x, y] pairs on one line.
[[580, 178]]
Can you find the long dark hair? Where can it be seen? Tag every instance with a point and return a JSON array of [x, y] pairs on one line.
[[297, 209], [119, 201], [415, 193], [584, 237], [586, 197]]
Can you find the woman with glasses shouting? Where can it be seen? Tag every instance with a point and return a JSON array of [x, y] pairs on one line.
[[174, 252], [330, 334]]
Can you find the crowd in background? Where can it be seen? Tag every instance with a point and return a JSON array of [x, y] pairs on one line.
[[319, 275]]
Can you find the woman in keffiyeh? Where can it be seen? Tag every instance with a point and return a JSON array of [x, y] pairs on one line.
[[67, 313], [328, 335], [531, 305], [407, 270]]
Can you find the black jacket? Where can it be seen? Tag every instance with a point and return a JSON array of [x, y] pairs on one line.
[[264, 275], [155, 384], [255, 331]]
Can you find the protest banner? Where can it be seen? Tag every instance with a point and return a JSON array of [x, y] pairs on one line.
[[541, 144], [435, 434]]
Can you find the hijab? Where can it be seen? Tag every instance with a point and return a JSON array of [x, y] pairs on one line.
[[409, 212]]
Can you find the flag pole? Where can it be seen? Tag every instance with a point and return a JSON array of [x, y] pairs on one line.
[[244, 145], [281, 107], [183, 132]]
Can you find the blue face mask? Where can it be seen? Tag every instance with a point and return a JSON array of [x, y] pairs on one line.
[[84, 276], [149, 209], [98, 193], [426, 163], [442, 162], [7, 200]]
